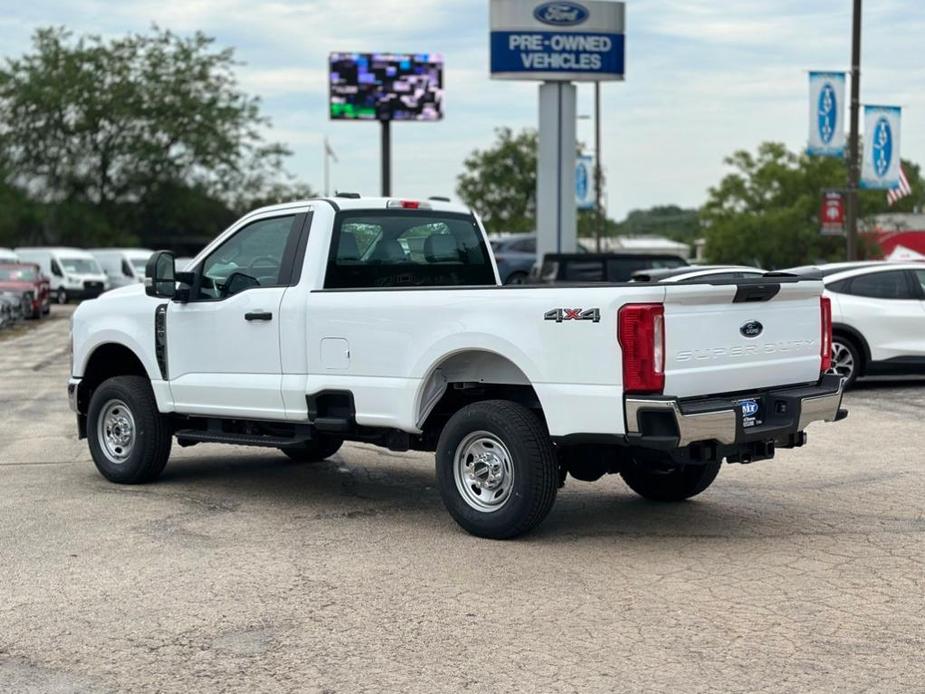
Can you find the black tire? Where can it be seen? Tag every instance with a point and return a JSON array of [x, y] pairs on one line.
[[61, 296], [152, 434], [315, 450], [672, 485], [842, 345], [517, 278], [529, 454]]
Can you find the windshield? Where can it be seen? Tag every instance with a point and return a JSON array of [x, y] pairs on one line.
[[20, 274], [80, 266]]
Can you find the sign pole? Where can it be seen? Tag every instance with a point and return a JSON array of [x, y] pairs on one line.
[[556, 223], [386, 158], [854, 168], [597, 165]]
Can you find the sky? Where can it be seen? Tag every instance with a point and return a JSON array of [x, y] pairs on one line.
[[703, 78]]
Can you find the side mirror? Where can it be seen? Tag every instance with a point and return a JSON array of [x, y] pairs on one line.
[[161, 275]]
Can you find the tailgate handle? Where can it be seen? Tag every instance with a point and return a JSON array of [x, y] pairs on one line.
[[748, 293]]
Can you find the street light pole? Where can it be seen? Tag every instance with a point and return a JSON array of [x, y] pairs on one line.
[[597, 164], [854, 166]]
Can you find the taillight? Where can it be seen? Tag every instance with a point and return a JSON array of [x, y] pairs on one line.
[[826, 348], [641, 331]]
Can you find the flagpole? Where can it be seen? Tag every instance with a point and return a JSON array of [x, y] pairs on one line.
[[327, 168], [854, 169]]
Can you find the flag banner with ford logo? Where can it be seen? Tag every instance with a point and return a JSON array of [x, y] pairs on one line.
[[826, 114], [880, 169], [585, 190], [560, 40]]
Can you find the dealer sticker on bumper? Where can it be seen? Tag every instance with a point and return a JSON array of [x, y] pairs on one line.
[[750, 411]]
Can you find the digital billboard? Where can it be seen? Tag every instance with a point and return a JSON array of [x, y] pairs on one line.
[[386, 86]]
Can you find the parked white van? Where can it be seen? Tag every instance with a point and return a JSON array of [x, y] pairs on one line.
[[74, 273], [8, 256], [123, 266]]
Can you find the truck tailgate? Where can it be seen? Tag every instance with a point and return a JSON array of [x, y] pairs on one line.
[[729, 338]]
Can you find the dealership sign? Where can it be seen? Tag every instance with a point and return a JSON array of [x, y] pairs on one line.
[[561, 40], [826, 109]]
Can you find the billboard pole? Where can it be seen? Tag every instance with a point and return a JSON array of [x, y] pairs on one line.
[[386, 158], [853, 164]]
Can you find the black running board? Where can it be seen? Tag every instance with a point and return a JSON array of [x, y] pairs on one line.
[[190, 437]]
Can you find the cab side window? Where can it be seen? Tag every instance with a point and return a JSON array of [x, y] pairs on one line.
[[255, 256]]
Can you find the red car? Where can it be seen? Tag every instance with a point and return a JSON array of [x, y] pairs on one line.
[[26, 277]]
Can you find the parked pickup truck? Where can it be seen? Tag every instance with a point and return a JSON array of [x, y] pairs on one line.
[[383, 321]]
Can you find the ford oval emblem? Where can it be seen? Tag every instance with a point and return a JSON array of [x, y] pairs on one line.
[[561, 14], [752, 329], [883, 147], [828, 113]]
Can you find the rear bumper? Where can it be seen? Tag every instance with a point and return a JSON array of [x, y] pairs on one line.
[[668, 423]]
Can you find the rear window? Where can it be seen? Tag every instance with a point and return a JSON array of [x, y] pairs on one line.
[[371, 250]]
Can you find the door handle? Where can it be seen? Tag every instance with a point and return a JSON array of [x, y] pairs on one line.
[[258, 315]]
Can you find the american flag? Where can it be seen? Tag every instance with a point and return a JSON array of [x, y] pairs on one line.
[[902, 190]]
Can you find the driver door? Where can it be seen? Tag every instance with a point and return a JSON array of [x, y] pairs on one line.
[[223, 347]]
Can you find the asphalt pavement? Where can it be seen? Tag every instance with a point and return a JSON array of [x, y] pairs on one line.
[[240, 571]]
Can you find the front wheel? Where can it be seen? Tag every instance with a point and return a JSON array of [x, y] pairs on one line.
[[846, 360], [129, 439], [676, 484], [496, 469], [61, 296]]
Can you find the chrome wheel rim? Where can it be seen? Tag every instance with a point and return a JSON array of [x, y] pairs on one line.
[[842, 360], [116, 432], [484, 471]]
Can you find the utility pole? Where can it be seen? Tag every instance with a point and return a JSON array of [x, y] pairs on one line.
[[854, 165], [598, 208]]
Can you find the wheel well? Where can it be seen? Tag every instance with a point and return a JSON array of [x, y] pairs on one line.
[[107, 361], [467, 377], [848, 333]]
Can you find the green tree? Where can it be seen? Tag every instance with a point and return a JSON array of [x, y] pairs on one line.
[[94, 128], [500, 182], [766, 212], [664, 220]]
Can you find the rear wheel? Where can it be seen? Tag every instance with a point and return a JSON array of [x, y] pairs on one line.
[[846, 359], [675, 484], [129, 439], [517, 278], [61, 296], [496, 469], [315, 450]]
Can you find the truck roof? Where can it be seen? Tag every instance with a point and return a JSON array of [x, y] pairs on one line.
[[376, 203]]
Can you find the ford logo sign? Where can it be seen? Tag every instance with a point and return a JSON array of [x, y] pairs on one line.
[[752, 329], [561, 14], [883, 147], [828, 110]]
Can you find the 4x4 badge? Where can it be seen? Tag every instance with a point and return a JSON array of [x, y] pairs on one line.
[[563, 314]]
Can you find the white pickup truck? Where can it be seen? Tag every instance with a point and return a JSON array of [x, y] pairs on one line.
[[382, 320]]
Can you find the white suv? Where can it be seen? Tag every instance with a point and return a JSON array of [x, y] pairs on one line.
[[878, 317]]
